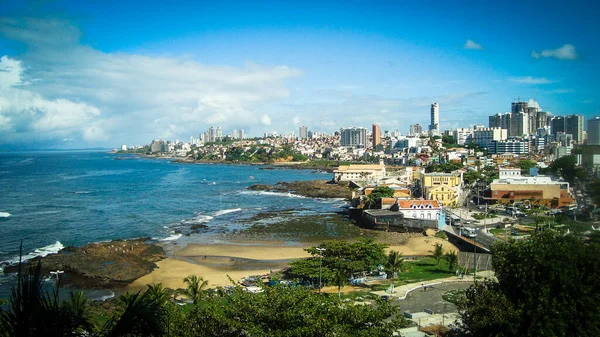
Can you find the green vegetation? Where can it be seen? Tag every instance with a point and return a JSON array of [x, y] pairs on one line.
[[567, 168], [481, 216], [438, 253], [441, 235], [446, 167], [373, 200], [454, 296], [547, 286], [421, 270], [277, 311], [452, 260]]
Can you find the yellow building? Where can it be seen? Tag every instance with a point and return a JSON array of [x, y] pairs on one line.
[[443, 187], [446, 195]]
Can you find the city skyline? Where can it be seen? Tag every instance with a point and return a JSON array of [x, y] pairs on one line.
[[101, 74]]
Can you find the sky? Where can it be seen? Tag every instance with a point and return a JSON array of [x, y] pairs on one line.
[[78, 74]]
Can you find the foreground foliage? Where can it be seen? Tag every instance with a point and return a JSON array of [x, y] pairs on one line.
[[548, 285], [277, 311]]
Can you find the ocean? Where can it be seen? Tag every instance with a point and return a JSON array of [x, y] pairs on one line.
[[49, 200]]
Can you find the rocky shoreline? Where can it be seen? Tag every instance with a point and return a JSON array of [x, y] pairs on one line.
[[104, 265], [310, 189]]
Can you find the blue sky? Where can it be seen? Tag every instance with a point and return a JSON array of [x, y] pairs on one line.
[[102, 73]]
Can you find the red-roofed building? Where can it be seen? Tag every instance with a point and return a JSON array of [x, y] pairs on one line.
[[414, 209]]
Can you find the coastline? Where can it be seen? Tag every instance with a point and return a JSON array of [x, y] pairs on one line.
[[216, 263]]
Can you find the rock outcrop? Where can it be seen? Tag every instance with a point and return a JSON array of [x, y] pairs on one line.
[[310, 188], [102, 265]]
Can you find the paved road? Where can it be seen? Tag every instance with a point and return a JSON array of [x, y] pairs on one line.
[[418, 300]]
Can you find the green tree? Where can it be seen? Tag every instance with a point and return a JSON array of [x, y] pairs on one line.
[[394, 263], [438, 253], [140, 315], [546, 286], [195, 287], [525, 165], [452, 260]]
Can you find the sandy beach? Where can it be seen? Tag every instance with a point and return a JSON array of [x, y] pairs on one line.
[[217, 262]]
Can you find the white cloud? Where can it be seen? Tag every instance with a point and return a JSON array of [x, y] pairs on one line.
[[531, 80], [535, 104], [470, 44], [566, 52], [265, 120], [296, 120], [61, 89]]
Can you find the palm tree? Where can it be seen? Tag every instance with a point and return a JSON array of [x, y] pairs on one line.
[[76, 308], [195, 288], [452, 259], [142, 316], [340, 279], [158, 293], [394, 264], [370, 201], [438, 253]]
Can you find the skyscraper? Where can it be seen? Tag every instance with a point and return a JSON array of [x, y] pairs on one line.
[[211, 134], [376, 136], [574, 126], [356, 137], [415, 130], [219, 134], [434, 127], [241, 133], [495, 121], [519, 124], [303, 134], [593, 130]]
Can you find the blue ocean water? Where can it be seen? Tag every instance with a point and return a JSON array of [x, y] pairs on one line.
[[54, 199]]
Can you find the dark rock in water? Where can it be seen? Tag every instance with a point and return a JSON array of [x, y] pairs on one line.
[[102, 265], [311, 189]]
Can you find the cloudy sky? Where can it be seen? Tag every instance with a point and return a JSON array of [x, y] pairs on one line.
[[76, 74]]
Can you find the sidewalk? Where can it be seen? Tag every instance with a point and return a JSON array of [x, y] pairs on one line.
[[400, 292]]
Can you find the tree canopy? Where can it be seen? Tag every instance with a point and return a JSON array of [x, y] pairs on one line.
[[547, 285]]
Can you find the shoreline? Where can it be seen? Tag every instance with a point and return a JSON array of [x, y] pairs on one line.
[[217, 263]]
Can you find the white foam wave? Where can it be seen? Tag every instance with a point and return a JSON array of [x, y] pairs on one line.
[[278, 194], [172, 237], [4, 214], [227, 211], [83, 192], [39, 252], [105, 297], [200, 219]]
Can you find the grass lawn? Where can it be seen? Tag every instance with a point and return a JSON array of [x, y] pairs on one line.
[[417, 271]]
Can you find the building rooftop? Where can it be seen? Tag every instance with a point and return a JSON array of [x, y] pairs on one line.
[[521, 180], [355, 167]]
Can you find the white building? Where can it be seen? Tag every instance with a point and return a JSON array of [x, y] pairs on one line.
[[360, 172], [462, 135], [355, 137], [509, 172], [484, 136], [509, 146], [418, 209], [123, 147]]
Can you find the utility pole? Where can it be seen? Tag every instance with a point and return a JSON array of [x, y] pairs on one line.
[[320, 265]]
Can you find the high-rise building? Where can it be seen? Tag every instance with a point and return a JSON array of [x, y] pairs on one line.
[[241, 133], [484, 137], [219, 134], [532, 116], [303, 134], [355, 137], [517, 107], [574, 126], [234, 134], [495, 121], [542, 120], [415, 130], [462, 135], [593, 131], [376, 136], [434, 127], [519, 124], [211, 134]]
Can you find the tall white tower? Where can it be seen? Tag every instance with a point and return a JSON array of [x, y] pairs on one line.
[[434, 127]]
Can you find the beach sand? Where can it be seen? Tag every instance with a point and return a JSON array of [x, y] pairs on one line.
[[215, 262]]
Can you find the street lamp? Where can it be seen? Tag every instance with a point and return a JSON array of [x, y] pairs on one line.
[[321, 250]]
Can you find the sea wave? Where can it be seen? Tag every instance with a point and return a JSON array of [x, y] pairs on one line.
[[4, 214], [104, 297], [172, 237], [278, 194], [227, 211], [83, 192], [38, 252], [199, 219]]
